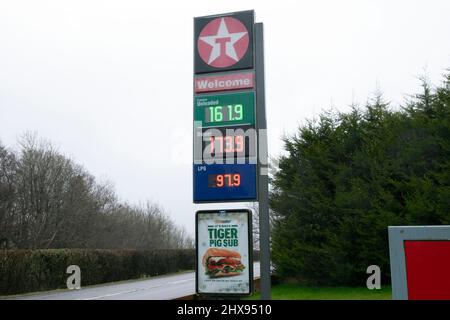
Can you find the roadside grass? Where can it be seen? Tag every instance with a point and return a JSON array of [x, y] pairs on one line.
[[297, 292]]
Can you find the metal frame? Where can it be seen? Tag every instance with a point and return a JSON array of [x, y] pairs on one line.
[[262, 168], [250, 252], [397, 237]]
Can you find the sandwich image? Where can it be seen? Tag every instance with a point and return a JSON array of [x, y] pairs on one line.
[[222, 263]]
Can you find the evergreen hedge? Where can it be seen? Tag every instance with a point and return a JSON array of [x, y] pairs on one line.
[[37, 270], [348, 176]]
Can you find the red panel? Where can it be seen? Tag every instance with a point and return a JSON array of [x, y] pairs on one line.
[[231, 81], [428, 269]]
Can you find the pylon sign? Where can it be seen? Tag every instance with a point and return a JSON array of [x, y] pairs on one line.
[[225, 139]]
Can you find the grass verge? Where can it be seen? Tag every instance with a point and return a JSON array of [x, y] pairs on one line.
[[297, 292]]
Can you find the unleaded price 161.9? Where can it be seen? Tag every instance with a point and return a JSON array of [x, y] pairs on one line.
[[224, 113], [228, 109]]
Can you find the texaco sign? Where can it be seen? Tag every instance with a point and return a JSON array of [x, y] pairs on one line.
[[224, 43]]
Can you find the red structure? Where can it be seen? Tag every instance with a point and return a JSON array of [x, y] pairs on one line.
[[428, 269], [420, 262]]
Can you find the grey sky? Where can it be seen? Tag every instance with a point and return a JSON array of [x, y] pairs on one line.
[[110, 82]]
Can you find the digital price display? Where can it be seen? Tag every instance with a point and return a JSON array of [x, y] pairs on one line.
[[231, 180], [225, 109], [224, 182], [225, 142], [226, 113]]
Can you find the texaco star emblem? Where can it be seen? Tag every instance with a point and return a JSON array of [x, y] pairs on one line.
[[223, 42]]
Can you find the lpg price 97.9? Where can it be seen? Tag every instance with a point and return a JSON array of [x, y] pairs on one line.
[[224, 180]]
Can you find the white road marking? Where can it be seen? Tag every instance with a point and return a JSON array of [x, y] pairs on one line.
[[139, 289], [122, 292], [136, 290], [181, 281]]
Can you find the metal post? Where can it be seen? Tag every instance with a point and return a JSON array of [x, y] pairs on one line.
[[263, 179]]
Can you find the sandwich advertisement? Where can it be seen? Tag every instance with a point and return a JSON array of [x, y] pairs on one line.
[[224, 262]]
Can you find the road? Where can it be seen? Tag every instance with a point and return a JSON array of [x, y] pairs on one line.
[[157, 288]]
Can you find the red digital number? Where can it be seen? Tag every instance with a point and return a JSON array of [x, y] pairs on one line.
[[239, 141], [219, 181], [236, 179], [227, 144], [228, 180]]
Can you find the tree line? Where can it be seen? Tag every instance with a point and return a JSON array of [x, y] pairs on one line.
[[49, 201], [347, 176]]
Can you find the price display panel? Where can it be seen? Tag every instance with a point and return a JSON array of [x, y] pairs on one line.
[[225, 109], [224, 182], [226, 142]]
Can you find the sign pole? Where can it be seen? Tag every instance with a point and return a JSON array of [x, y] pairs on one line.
[[263, 166]]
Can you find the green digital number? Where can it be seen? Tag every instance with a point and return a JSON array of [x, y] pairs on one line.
[[217, 114], [230, 112], [238, 109], [235, 112]]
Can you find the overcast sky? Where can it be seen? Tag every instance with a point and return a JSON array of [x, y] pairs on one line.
[[110, 82]]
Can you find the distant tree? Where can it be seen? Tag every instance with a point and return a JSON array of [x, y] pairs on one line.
[[48, 201], [254, 207], [8, 167], [255, 224]]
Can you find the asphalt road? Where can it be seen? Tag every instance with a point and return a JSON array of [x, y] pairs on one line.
[[157, 288]]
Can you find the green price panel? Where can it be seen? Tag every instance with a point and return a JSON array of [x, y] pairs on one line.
[[225, 109]]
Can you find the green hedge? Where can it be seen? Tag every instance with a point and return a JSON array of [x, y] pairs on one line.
[[37, 270]]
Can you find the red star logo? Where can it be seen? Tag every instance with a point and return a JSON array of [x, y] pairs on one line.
[[223, 42]]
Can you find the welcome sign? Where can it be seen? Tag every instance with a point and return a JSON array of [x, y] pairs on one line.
[[225, 82], [224, 260]]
